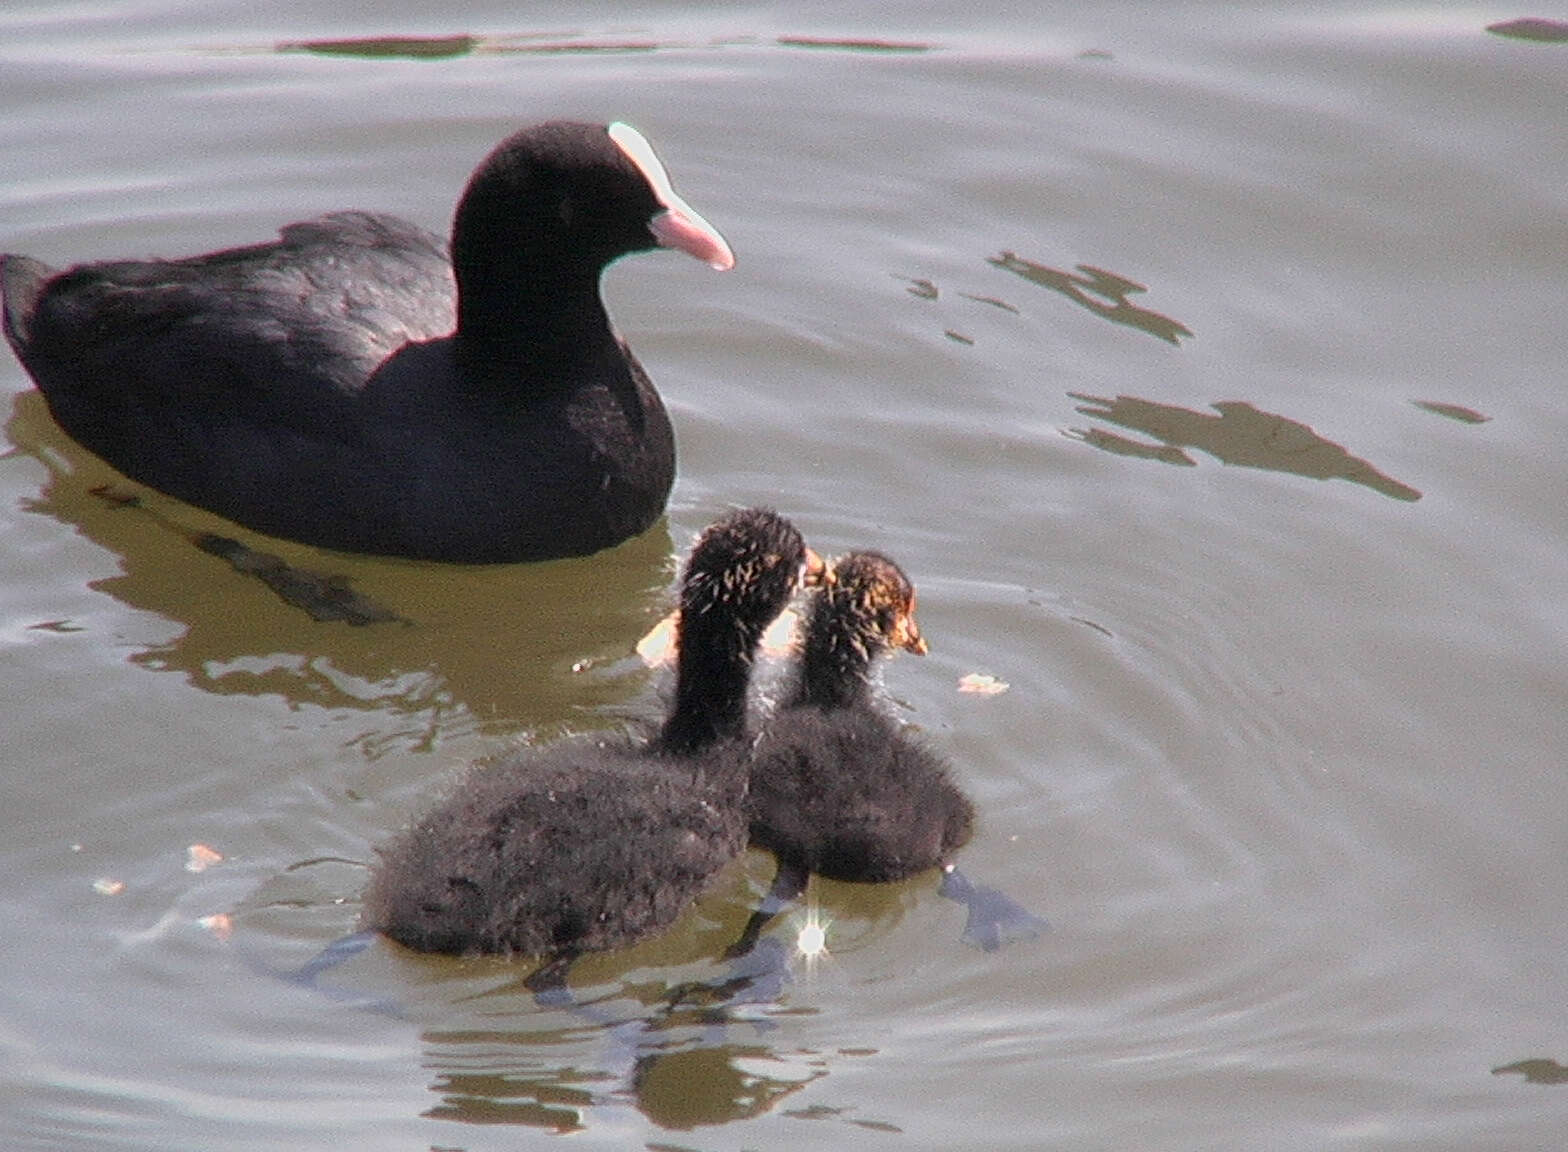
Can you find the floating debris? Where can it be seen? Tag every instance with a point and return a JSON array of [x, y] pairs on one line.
[[199, 857], [982, 684], [107, 886], [958, 337], [220, 924]]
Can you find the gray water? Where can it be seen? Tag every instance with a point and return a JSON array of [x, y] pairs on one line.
[[1203, 366]]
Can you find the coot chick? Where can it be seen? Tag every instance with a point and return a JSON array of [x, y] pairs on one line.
[[837, 788], [357, 386], [589, 845]]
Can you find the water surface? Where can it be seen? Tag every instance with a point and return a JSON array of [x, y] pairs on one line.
[[1204, 369]]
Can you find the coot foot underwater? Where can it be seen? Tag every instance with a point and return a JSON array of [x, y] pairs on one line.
[[357, 384], [593, 844], [995, 918]]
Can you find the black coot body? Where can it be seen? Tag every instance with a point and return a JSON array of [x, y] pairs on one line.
[[590, 845], [836, 788], [355, 385]]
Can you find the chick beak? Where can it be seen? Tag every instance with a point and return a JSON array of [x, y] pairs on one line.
[[813, 572], [909, 638]]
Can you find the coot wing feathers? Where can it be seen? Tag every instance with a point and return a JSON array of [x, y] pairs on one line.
[[264, 332]]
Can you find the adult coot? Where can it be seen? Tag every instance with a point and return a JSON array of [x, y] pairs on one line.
[[590, 845], [837, 788], [353, 385]]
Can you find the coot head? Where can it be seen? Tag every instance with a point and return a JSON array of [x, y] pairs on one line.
[[865, 608], [740, 574], [551, 207]]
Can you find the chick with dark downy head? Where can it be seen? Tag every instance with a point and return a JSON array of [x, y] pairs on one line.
[[837, 787], [590, 845]]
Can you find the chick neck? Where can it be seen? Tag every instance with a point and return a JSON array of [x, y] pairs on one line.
[[838, 656], [712, 674]]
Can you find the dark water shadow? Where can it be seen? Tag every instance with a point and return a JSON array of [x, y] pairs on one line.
[[1104, 293], [1536, 1071], [1452, 411], [556, 44], [1533, 28], [1240, 434], [514, 645], [387, 47]]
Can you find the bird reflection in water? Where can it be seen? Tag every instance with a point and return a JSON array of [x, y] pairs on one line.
[[1104, 293], [684, 1057], [1240, 434]]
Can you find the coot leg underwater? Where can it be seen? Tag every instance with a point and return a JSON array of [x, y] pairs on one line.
[[788, 883]]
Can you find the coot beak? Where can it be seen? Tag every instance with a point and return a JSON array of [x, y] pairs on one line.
[[813, 572], [913, 641], [678, 226], [684, 230], [906, 633]]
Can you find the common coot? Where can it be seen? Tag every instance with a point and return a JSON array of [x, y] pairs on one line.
[[837, 788], [589, 845], [356, 385]]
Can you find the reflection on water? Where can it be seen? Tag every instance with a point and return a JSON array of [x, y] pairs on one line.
[[538, 43], [1453, 411], [388, 47], [1137, 449], [514, 645], [1101, 292], [1532, 28], [689, 1056], [717, 1083], [1241, 435], [1537, 1071], [323, 596]]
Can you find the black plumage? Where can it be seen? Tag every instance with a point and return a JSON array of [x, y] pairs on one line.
[[354, 385], [837, 787], [591, 844]]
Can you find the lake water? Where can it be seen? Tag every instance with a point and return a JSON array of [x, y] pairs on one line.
[[1203, 366]]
